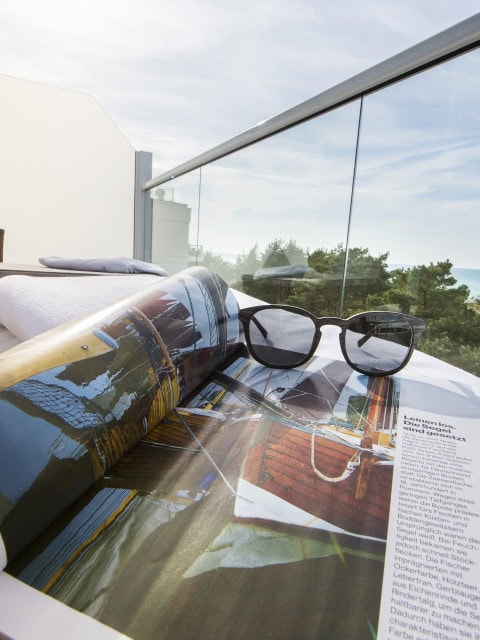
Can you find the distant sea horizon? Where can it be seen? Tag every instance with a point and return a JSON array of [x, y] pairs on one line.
[[470, 277], [463, 275]]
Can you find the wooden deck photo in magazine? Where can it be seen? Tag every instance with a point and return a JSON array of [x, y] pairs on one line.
[[259, 506]]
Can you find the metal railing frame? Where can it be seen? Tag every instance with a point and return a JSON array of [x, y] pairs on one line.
[[142, 206], [444, 46]]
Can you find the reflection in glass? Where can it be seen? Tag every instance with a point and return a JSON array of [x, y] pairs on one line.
[[416, 207], [266, 208], [418, 167], [175, 222], [274, 216]]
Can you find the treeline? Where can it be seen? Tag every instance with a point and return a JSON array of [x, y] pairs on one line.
[[428, 291]]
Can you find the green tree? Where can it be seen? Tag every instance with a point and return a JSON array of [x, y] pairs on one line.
[[249, 262], [320, 260], [295, 254], [218, 264], [429, 291], [279, 253], [434, 290], [426, 290], [397, 297], [453, 324], [367, 275], [274, 255]]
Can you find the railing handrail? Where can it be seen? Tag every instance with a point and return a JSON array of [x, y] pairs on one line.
[[443, 46]]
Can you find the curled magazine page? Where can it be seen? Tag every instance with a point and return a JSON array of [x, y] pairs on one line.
[[259, 506], [74, 400], [310, 502]]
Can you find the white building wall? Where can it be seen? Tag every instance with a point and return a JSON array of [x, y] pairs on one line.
[[67, 175], [170, 232]]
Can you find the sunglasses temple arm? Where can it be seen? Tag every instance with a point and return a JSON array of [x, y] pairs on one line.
[[366, 337], [417, 332]]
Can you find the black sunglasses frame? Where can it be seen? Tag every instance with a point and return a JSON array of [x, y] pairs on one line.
[[417, 325]]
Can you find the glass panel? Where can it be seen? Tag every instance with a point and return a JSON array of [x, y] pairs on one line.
[[274, 216], [415, 224], [267, 209], [175, 222]]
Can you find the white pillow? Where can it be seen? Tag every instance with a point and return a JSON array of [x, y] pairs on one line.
[[30, 305], [7, 339]]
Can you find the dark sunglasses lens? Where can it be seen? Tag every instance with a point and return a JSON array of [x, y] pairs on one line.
[[281, 338], [378, 342]]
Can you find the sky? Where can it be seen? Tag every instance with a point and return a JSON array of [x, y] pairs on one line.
[[180, 77]]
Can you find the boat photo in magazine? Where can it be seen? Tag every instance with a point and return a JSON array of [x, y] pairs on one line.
[[156, 478]]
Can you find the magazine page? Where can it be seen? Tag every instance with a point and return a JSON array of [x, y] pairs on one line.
[[74, 400], [259, 507], [432, 579], [28, 614]]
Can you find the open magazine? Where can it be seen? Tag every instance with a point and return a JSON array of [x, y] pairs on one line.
[[156, 478]]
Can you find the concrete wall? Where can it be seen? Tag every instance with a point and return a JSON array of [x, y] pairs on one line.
[[67, 175]]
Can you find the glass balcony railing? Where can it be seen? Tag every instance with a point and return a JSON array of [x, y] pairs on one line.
[[372, 204]]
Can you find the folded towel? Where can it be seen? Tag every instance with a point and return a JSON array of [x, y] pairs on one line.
[[112, 265], [30, 305]]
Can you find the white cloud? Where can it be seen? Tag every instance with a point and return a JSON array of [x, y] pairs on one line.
[[198, 73]]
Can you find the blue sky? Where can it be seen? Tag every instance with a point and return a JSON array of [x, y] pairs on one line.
[[180, 77]]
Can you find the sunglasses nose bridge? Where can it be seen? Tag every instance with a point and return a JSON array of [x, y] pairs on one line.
[[329, 323], [328, 330]]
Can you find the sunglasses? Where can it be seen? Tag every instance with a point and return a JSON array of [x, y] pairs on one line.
[[376, 343]]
